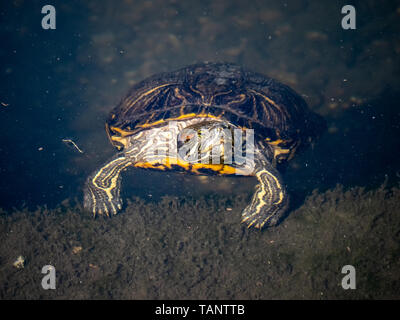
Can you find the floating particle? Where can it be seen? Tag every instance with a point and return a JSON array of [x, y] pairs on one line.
[[19, 263], [72, 144], [76, 250]]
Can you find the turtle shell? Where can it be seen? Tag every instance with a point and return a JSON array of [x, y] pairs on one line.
[[249, 100]]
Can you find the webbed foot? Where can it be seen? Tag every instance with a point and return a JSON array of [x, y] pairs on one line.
[[269, 202], [102, 189]]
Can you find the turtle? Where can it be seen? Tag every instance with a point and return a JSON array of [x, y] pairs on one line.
[[210, 118]]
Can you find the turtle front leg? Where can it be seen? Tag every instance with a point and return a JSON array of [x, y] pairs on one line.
[[102, 189], [270, 199]]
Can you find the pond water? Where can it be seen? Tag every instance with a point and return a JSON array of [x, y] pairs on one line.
[[58, 86]]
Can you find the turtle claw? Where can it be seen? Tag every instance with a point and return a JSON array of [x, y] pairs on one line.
[[266, 217], [98, 202]]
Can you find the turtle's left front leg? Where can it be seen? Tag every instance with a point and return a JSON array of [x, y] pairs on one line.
[[270, 200], [102, 189]]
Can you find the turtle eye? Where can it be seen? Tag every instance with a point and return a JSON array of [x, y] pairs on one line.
[[187, 137]]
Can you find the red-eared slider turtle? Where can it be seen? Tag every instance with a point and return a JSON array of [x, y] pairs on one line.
[[192, 120]]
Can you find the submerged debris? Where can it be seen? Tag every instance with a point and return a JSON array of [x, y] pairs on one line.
[[76, 250], [72, 144], [19, 263]]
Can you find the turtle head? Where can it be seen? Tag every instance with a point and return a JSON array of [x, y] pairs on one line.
[[207, 142], [204, 142]]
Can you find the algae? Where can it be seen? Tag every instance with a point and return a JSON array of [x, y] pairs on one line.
[[182, 248]]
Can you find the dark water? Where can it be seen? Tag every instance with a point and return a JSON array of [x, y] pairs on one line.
[[61, 83], [58, 84]]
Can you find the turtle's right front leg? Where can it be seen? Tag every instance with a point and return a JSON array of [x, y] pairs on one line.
[[102, 189]]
